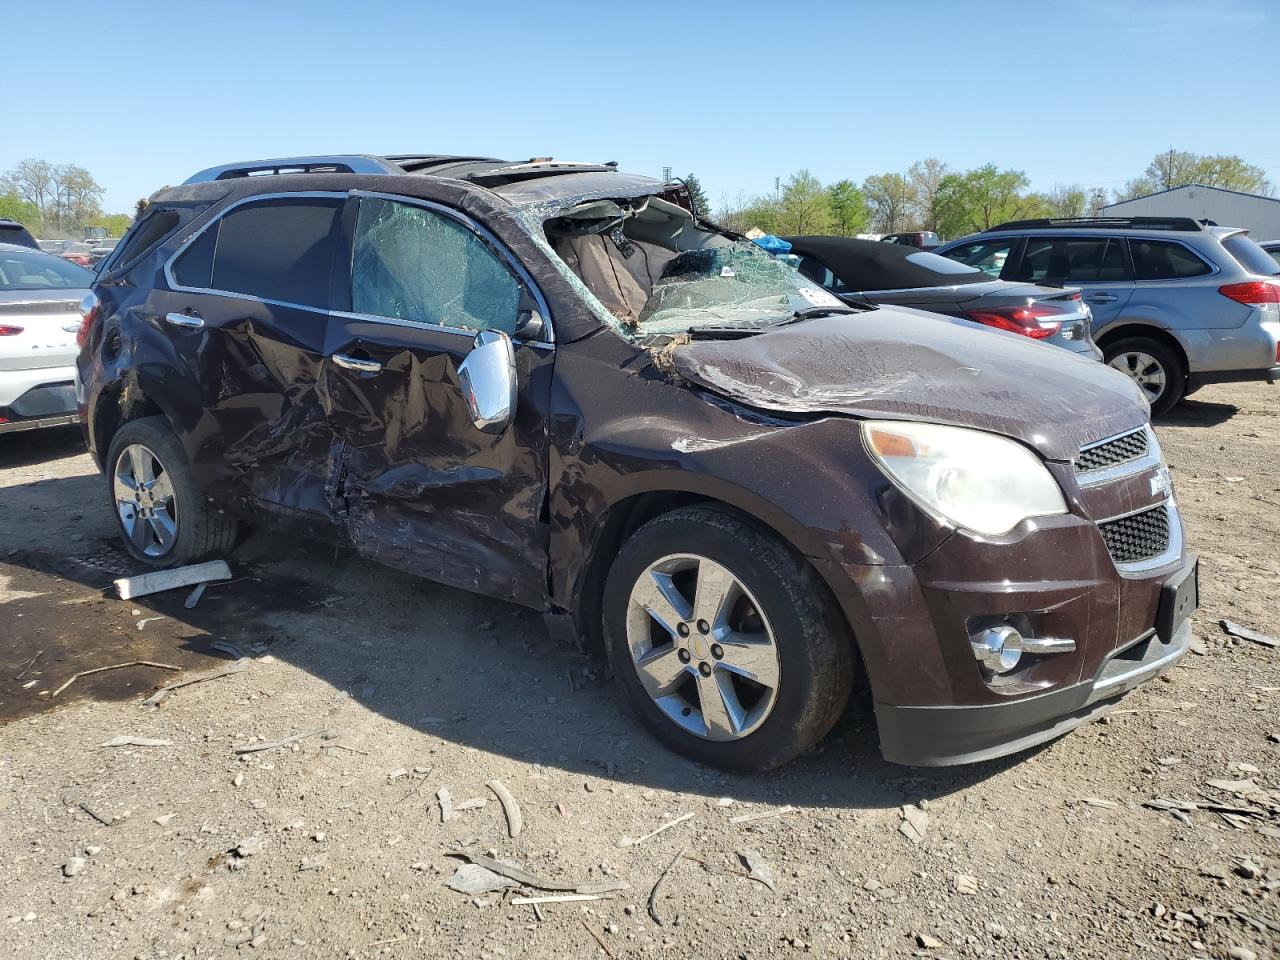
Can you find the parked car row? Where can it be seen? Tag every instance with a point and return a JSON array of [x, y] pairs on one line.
[[753, 486], [870, 270], [1172, 303], [1176, 304], [40, 297]]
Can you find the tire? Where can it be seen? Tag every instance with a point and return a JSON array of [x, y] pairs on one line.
[[1126, 356], [199, 530], [777, 602]]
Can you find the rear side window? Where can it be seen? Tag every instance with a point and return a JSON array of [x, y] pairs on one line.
[[1165, 260], [274, 250], [152, 228], [989, 256], [1072, 259], [819, 273], [1251, 256]]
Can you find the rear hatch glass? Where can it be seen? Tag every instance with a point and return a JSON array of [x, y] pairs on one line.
[[1251, 256]]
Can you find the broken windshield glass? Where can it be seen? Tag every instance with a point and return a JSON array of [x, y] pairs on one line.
[[645, 267]]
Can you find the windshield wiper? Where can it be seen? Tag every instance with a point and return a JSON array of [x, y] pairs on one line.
[[725, 333]]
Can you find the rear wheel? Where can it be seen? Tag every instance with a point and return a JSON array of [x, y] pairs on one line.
[[726, 642], [163, 517], [1154, 367]]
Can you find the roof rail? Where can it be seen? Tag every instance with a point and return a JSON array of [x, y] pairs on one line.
[[336, 163], [1102, 223]]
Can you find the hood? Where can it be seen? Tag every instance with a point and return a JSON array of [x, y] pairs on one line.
[[902, 364]]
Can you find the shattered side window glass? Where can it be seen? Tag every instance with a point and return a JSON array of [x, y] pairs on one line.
[[411, 263]]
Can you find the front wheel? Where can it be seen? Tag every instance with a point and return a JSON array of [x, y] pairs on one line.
[[726, 642], [153, 493], [1154, 367]]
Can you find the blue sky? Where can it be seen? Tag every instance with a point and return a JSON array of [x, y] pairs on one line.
[[1071, 91]]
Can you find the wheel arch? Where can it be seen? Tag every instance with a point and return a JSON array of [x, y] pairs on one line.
[[117, 404], [1125, 329], [627, 514]]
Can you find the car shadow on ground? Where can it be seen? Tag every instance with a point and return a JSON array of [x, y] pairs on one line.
[[475, 671], [28, 447], [1198, 413]]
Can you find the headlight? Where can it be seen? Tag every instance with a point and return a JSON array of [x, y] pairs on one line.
[[975, 480]]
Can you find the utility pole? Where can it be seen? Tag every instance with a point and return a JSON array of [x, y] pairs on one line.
[[777, 188]]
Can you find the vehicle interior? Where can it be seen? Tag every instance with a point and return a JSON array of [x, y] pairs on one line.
[[621, 249]]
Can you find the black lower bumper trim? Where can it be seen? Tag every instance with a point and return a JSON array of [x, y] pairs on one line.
[[944, 736], [1197, 380], [37, 423]]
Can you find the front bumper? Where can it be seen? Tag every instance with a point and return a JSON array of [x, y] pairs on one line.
[[943, 736]]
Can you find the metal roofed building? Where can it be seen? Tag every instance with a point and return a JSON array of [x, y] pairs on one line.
[[1229, 208]]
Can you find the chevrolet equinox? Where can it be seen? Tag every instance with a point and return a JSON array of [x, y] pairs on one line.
[[555, 384]]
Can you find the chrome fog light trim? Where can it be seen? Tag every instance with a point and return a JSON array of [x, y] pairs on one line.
[[1044, 645], [997, 648]]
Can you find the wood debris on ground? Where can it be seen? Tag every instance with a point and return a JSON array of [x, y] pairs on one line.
[[158, 581], [272, 744], [766, 815], [238, 666], [515, 819], [115, 666], [1245, 633], [634, 841], [124, 740]]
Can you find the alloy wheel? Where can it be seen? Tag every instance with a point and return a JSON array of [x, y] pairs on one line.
[[145, 501], [702, 647], [1144, 370]]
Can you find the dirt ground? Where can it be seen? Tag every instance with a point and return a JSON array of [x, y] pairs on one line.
[[333, 846]]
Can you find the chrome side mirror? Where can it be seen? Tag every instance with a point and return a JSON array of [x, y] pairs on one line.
[[488, 378]]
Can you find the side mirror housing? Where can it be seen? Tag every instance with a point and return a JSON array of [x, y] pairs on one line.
[[488, 378], [529, 322]]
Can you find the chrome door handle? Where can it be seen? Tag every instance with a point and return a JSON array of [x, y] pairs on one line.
[[184, 319], [355, 363], [1102, 298]]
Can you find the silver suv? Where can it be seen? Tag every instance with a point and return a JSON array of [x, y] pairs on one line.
[[1176, 303]]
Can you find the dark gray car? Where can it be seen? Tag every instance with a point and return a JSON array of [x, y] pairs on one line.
[[900, 275]]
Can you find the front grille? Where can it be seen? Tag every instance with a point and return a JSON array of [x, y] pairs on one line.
[[1131, 446], [1139, 536]]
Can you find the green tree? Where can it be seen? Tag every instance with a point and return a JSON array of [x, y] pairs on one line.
[[924, 177], [33, 181], [849, 211], [979, 199], [701, 205], [13, 207], [1068, 201], [1178, 168], [116, 223], [804, 206], [891, 198], [762, 213]]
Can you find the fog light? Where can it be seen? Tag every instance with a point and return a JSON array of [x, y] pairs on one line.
[[997, 648]]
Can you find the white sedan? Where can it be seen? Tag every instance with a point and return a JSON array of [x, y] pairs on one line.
[[40, 298]]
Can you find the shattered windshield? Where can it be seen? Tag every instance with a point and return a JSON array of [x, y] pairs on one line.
[[734, 285], [646, 267]]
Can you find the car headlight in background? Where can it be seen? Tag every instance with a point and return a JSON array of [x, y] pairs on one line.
[[979, 481]]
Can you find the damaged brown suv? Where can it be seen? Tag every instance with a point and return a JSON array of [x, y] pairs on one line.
[[554, 384]]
